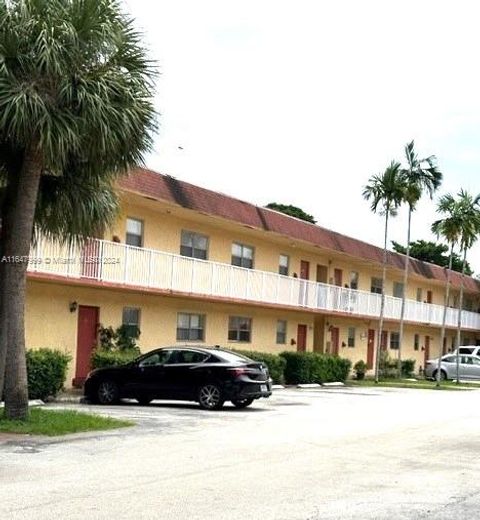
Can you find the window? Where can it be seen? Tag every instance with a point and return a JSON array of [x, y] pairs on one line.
[[281, 332], [134, 232], [131, 321], [242, 255], [416, 342], [187, 356], [194, 245], [155, 359], [239, 329], [376, 286], [394, 340], [353, 280], [398, 289], [190, 327], [283, 265], [351, 337], [419, 294]]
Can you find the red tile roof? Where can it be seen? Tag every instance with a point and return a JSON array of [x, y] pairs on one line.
[[164, 187]]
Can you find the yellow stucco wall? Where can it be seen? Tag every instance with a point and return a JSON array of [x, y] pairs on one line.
[[49, 322], [163, 224]]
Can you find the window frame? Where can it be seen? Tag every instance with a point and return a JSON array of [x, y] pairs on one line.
[[396, 285], [280, 332], [351, 337], [237, 329], [354, 280], [286, 268], [394, 340], [374, 289], [142, 232], [130, 324], [416, 342], [242, 258], [193, 235], [190, 329]]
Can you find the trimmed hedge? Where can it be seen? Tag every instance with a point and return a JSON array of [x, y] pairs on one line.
[[109, 358], [275, 363], [46, 372], [310, 367]]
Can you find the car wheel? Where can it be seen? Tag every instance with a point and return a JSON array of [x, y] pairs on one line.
[[144, 400], [443, 375], [108, 392], [210, 397], [242, 403]]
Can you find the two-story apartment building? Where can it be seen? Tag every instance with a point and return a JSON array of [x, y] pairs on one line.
[[187, 264]]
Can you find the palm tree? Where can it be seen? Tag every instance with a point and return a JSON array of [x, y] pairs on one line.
[[69, 210], [75, 88], [469, 208], [386, 192], [420, 175], [448, 228]]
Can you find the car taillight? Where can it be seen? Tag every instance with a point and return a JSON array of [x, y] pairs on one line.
[[237, 371]]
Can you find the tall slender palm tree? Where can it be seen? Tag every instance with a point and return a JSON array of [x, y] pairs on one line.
[[74, 83], [449, 228], [421, 175], [386, 193], [469, 207]]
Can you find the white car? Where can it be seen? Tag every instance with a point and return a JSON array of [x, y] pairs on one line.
[[472, 350]]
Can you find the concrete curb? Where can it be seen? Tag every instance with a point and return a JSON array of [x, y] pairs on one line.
[[335, 384], [32, 402], [308, 385]]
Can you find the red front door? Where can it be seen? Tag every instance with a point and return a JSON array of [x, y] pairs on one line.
[[426, 352], [370, 348], [429, 297], [335, 338], [337, 277], [304, 270], [301, 338], [86, 341]]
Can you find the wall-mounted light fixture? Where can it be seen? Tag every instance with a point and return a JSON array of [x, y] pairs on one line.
[[293, 342], [73, 306]]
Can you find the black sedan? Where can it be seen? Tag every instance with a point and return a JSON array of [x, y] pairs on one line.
[[209, 376]]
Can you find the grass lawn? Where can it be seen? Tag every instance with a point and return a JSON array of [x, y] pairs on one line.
[[60, 422], [404, 383]]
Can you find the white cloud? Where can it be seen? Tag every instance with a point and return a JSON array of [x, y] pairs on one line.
[[301, 101]]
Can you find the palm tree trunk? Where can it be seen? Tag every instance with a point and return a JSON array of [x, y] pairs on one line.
[[459, 316], [405, 281], [17, 248], [444, 319], [5, 230], [382, 300]]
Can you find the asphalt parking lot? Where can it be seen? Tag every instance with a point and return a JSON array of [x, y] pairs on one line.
[[338, 453]]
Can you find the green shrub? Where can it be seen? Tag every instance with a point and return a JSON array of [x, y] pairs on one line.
[[408, 367], [112, 358], [310, 367], [46, 371], [275, 363]]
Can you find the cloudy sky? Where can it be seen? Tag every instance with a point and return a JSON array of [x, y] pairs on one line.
[[301, 101]]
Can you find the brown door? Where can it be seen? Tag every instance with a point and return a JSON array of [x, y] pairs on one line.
[[426, 351], [86, 341], [304, 270], [337, 277], [370, 348], [429, 297], [322, 273], [383, 343], [335, 339], [301, 338]]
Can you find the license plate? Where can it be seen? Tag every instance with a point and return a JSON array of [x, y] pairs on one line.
[[263, 388]]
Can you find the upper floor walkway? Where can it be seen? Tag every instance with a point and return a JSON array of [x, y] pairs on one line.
[[135, 267]]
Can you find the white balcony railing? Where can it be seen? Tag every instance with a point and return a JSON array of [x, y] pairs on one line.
[[139, 267]]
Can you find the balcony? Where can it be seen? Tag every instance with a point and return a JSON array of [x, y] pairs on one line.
[[120, 264]]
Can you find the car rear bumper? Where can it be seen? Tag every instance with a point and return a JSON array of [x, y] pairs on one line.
[[249, 390]]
